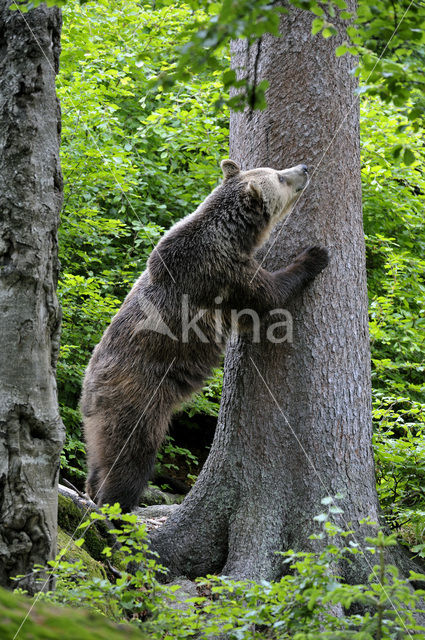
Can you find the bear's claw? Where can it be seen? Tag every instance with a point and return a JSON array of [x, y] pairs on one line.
[[315, 259]]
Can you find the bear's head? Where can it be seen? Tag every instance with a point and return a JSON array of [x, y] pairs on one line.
[[278, 190]]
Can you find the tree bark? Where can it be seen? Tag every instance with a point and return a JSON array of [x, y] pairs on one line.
[[295, 419], [31, 431]]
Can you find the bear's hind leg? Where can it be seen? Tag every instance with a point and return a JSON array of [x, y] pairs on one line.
[[126, 479], [93, 482], [122, 460], [94, 426]]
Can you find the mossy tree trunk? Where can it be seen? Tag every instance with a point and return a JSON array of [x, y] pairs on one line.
[[31, 432]]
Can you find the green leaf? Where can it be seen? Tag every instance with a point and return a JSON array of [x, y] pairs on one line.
[[408, 156], [317, 25], [322, 517], [341, 50]]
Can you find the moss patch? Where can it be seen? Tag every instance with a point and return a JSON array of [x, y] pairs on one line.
[[48, 622], [93, 568], [74, 553], [70, 517], [153, 495]]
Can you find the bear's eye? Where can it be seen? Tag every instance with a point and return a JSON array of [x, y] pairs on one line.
[[282, 179]]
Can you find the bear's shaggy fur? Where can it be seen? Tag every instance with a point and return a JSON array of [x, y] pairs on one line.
[[146, 365]]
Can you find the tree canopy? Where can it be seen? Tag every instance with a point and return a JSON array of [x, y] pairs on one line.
[[386, 35]]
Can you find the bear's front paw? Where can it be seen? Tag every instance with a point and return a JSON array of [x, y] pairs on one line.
[[314, 259]]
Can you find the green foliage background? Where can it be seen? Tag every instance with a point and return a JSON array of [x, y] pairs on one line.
[[138, 155], [135, 160]]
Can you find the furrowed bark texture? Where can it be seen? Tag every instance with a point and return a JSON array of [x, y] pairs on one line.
[[31, 432], [295, 419], [308, 414]]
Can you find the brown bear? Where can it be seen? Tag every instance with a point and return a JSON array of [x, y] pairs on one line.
[[164, 341]]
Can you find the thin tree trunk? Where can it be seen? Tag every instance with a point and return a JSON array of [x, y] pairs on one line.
[[295, 420], [31, 432]]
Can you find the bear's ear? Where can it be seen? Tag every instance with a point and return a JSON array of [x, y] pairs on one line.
[[229, 168], [254, 190]]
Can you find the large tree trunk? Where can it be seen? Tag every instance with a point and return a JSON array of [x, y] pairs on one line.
[[295, 421], [31, 432]]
